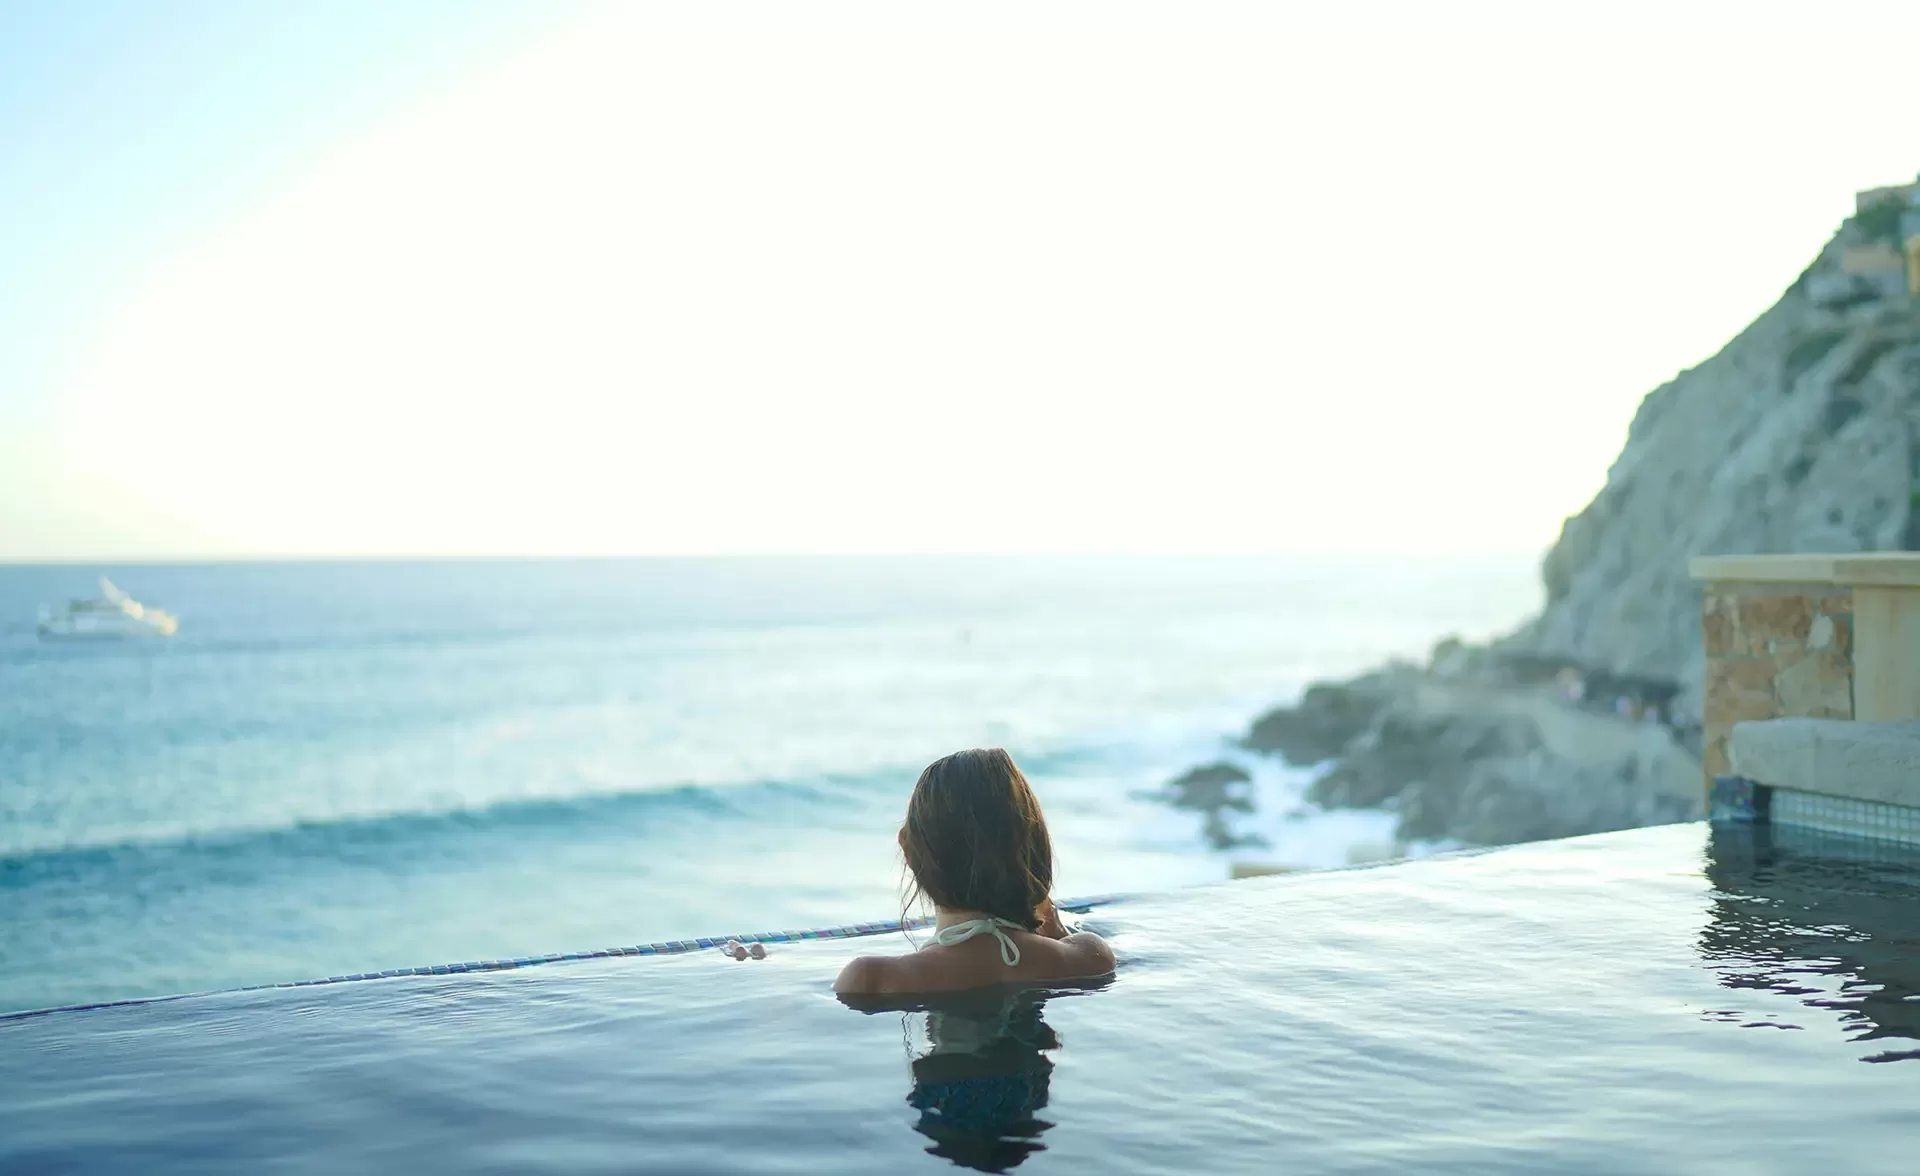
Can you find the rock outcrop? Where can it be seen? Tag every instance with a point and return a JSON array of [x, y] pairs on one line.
[[1475, 760], [1329, 716], [1801, 435], [1214, 790]]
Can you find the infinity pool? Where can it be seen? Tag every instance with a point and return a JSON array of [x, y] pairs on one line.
[[1662, 1000]]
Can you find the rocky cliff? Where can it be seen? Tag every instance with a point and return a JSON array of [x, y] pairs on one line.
[[1801, 434]]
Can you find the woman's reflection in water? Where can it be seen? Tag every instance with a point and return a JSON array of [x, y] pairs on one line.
[[981, 1074]]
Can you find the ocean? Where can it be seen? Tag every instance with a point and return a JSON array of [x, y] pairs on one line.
[[346, 767]]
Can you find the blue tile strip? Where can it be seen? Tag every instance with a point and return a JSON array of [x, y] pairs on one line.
[[1852, 818], [672, 947], [1734, 801]]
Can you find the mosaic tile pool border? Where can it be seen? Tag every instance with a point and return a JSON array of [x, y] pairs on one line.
[[1856, 818], [1078, 906], [1810, 841], [1733, 800]]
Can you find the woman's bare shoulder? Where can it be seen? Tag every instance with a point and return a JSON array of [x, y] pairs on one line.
[[1087, 954], [1082, 955], [862, 976], [873, 975]]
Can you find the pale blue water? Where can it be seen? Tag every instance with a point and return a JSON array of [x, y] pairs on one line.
[[344, 768], [1618, 1005]]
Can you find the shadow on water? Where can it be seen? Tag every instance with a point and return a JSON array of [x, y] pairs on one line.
[[980, 1070], [1831, 920]]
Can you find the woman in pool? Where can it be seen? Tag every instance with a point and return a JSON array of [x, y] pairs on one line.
[[976, 846]]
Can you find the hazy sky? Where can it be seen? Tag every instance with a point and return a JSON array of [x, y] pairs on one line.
[[459, 277]]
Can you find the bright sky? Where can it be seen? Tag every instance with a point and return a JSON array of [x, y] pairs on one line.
[[490, 278]]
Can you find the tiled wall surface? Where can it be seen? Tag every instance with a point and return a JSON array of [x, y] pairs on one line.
[[1733, 801], [1854, 818], [1774, 651]]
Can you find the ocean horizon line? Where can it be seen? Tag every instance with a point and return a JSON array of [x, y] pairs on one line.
[[346, 558]]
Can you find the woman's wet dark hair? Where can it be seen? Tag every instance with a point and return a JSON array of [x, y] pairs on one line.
[[975, 839]]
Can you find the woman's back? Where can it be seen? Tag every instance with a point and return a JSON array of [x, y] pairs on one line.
[[1004, 955]]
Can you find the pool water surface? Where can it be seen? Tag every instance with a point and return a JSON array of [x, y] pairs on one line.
[[1661, 1000]]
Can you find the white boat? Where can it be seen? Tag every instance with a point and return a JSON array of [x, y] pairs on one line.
[[112, 614]]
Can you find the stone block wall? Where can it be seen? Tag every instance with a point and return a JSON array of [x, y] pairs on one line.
[[1774, 651]]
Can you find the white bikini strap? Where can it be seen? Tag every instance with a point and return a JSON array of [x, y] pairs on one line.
[[961, 932]]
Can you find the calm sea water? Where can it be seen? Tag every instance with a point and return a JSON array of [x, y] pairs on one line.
[[348, 767], [1608, 1006]]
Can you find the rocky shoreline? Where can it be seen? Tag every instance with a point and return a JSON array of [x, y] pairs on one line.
[[1801, 434], [1476, 748]]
